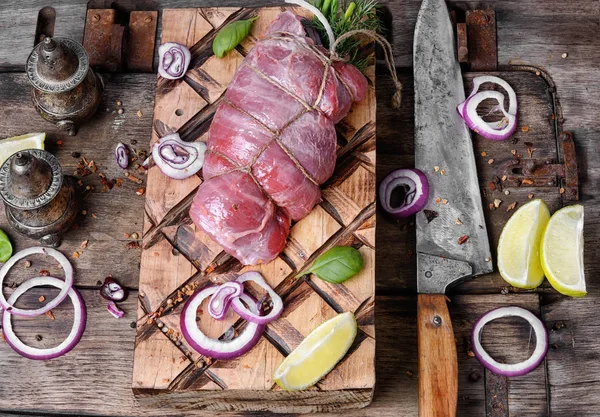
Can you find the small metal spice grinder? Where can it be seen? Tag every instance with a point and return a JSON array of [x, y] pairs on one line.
[[65, 89], [39, 201]]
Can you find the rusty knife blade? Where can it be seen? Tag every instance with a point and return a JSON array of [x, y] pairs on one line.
[[443, 140]]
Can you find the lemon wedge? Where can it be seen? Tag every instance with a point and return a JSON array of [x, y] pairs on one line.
[[20, 143], [562, 251], [318, 353], [519, 245]]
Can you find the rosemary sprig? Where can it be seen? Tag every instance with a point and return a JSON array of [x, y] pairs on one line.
[[346, 16]]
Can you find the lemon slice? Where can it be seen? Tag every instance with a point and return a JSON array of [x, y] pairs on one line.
[[519, 245], [20, 143], [318, 353], [562, 251]]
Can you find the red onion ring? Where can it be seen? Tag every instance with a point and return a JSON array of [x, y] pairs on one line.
[[121, 155], [114, 310], [72, 339], [111, 290], [516, 369], [500, 130], [220, 301], [415, 197], [255, 317], [178, 159], [64, 289], [215, 348], [173, 60]]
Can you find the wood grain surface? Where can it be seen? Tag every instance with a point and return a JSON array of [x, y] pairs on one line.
[[529, 33], [177, 257]]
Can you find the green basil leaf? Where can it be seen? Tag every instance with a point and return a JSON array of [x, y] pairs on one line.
[[231, 35], [338, 264]]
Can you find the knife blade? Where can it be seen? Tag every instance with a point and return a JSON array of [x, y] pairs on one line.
[[443, 140]]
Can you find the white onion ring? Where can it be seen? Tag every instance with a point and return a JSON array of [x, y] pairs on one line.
[[64, 289], [215, 348], [491, 130], [171, 164], [516, 369], [79, 319], [255, 317]]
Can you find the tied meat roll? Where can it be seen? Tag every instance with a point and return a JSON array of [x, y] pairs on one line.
[[272, 141]]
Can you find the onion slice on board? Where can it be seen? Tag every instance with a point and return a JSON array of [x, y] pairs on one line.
[[64, 288], [114, 310], [491, 130], [513, 369], [79, 318], [252, 316], [215, 348], [178, 159], [111, 290], [221, 300], [173, 60], [416, 189]]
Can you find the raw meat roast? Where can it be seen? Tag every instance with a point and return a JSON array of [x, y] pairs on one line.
[[272, 142]]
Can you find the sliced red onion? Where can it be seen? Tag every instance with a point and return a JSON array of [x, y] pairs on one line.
[[306, 5], [115, 310], [64, 289], [176, 158], [215, 348], [122, 155], [111, 290], [499, 130], [173, 60], [416, 193], [220, 301], [255, 317], [516, 369], [79, 319]]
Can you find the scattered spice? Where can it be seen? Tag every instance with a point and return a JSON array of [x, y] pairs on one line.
[[488, 259], [118, 182], [506, 192], [127, 235], [84, 244], [38, 337], [492, 186], [514, 152], [445, 201], [463, 239], [41, 299], [504, 178], [121, 111], [530, 196], [409, 373], [165, 380], [133, 178], [490, 161], [504, 291], [443, 172], [564, 55], [50, 314], [135, 236], [140, 114], [526, 181], [558, 325], [511, 206], [497, 202], [76, 255], [484, 153], [44, 272], [530, 151], [140, 191], [119, 103], [438, 200], [458, 221], [436, 169], [525, 129], [83, 212], [27, 264], [133, 245], [562, 190], [470, 353], [491, 205]]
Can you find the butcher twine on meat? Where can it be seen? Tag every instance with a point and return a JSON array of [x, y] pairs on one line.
[[272, 141]]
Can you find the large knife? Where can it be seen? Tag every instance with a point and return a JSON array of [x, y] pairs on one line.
[[444, 255]]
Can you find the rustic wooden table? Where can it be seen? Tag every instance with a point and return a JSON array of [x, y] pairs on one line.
[[95, 379]]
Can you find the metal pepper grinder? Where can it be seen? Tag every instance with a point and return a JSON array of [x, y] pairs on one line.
[[65, 89], [39, 201]]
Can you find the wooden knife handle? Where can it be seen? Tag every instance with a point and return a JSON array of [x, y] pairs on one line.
[[438, 364]]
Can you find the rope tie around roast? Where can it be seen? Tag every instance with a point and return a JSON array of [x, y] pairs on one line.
[[387, 52]]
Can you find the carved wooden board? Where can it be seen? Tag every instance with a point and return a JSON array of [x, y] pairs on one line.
[[177, 258]]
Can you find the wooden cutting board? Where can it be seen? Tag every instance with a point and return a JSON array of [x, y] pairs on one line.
[[177, 258]]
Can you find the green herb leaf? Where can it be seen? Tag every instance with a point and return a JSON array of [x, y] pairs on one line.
[[231, 35], [338, 264]]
